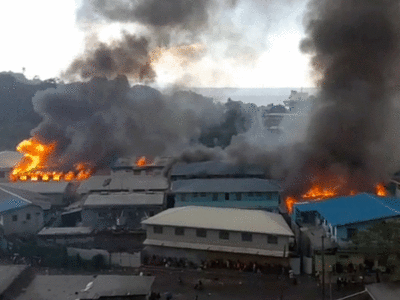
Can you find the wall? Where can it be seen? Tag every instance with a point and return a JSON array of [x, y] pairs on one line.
[[235, 238], [104, 217], [198, 256], [266, 200], [22, 224]]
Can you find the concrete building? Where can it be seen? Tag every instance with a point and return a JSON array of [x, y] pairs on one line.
[[337, 220], [124, 210], [212, 169], [206, 233], [66, 287], [251, 193], [19, 215]]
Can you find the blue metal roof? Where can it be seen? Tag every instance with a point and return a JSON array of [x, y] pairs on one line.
[[353, 209], [10, 201]]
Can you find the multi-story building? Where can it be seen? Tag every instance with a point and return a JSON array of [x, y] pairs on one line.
[[209, 233]]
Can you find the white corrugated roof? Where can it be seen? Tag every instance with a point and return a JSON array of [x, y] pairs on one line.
[[225, 185], [127, 182], [65, 230], [39, 187], [231, 219], [210, 247], [124, 199]]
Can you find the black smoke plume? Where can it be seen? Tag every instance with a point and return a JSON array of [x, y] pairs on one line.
[[101, 120], [355, 50], [129, 57]]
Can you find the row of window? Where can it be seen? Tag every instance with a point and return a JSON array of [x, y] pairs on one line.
[[228, 195], [15, 217], [223, 234]]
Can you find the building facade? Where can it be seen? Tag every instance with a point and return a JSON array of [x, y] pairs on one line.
[[204, 233], [123, 210], [250, 193], [332, 223]]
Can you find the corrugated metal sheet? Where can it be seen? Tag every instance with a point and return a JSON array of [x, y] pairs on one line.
[[214, 168], [128, 182], [39, 187], [353, 209], [128, 199], [66, 287], [65, 231], [224, 185], [230, 219]]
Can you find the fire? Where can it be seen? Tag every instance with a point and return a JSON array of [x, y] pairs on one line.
[[142, 162], [34, 165], [318, 192], [381, 190]]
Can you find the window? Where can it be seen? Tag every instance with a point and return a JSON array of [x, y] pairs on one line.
[[195, 195], [137, 172], [351, 232], [158, 229], [15, 218], [179, 231], [259, 194], [268, 196], [203, 195], [251, 194], [272, 239], [183, 197], [224, 235], [238, 196], [201, 233], [215, 197], [247, 237], [226, 196], [28, 216]]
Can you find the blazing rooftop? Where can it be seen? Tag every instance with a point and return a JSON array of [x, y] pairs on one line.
[[36, 164]]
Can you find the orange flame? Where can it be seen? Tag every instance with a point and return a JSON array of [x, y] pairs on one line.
[[317, 193], [36, 159], [381, 190], [142, 162]]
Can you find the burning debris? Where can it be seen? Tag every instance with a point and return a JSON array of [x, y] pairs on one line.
[[36, 164], [143, 162]]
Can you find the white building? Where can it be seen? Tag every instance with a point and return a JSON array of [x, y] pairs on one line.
[[18, 215], [210, 233]]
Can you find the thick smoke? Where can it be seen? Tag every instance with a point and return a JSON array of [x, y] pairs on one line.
[[355, 47], [100, 120], [129, 57]]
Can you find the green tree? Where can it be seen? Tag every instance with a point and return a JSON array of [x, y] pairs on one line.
[[382, 240]]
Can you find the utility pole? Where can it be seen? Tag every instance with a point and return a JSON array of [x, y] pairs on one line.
[[323, 267]]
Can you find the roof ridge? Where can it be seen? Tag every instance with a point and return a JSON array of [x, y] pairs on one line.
[[16, 195]]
